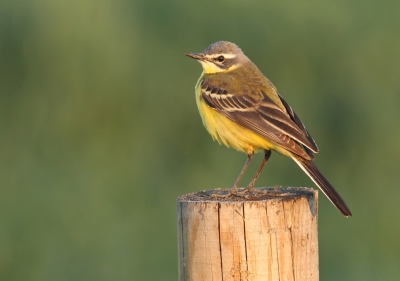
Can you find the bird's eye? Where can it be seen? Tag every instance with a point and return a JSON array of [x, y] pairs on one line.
[[221, 58]]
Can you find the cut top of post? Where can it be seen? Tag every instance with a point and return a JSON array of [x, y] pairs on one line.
[[265, 194]]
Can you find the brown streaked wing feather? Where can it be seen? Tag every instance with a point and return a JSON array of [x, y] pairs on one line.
[[273, 114], [263, 117], [297, 120], [254, 122]]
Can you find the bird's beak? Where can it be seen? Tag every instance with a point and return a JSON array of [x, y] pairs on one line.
[[197, 56]]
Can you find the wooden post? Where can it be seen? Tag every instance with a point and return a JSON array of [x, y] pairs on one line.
[[268, 237]]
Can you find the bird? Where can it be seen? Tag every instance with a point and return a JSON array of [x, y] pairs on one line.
[[242, 109]]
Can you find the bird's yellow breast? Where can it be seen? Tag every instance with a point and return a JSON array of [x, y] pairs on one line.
[[230, 133]]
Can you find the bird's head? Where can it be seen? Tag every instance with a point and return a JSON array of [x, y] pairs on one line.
[[221, 56]]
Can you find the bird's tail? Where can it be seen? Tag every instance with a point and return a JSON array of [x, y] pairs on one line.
[[326, 187]]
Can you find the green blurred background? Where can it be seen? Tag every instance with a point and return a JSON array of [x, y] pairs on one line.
[[99, 130]]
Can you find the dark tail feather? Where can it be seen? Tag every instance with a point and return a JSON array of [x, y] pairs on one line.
[[326, 187]]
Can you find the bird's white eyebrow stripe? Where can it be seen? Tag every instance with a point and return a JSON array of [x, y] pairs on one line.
[[227, 56]]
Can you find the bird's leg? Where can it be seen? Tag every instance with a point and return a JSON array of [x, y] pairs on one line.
[[234, 188], [250, 187]]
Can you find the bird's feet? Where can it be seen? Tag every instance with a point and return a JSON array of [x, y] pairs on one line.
[[250, 190], [246, 192], [232, 192]]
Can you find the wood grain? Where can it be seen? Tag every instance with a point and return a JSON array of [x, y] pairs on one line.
[[270, 237]]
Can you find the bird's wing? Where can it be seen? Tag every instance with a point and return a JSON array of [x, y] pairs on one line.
[[300, 124], [262, 116]]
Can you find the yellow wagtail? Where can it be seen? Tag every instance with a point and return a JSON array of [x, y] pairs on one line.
[[241, 108]]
